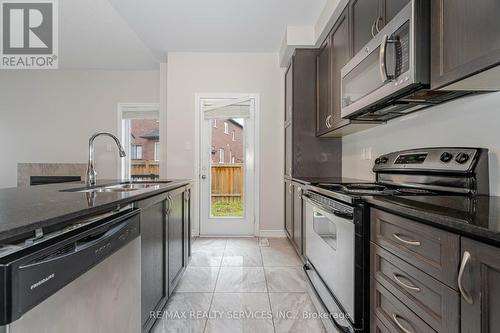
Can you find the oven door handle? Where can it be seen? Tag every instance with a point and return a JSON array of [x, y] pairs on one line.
[[343, 215]]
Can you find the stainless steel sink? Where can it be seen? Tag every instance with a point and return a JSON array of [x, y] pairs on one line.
[[123, 187]]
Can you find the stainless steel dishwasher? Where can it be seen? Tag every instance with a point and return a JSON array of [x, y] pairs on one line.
[[84, 277]]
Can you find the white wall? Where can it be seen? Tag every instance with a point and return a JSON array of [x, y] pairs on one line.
[[48, 116], [191, 73], [472, 121]]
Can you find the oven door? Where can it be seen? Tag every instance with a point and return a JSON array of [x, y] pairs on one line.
[[383, 69], [330, 238]]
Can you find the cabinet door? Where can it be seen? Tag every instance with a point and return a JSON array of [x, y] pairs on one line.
[[465, 39], [289, 93], [152, 259], [480, 280], [297, 218], [187, 225], [289, 209], [288, 151], [323, 76], [364, 14], [175, 239], [389, 9], [340, 56]]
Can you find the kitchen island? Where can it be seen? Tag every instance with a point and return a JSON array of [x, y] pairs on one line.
[[128, 241]]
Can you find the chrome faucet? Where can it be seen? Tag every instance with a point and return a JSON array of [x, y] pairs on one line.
[[91, 173]]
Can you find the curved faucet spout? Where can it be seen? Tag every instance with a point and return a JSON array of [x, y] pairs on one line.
[[91, 178]]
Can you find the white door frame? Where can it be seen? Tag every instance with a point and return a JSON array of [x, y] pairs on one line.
[[122, 128], [197, 150]]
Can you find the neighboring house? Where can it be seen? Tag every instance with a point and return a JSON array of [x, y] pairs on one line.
[[145, 140], [227, 141]]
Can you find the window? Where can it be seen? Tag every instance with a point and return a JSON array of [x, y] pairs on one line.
[[136, 152], [230, 156], [215, 123], [226, 128], [157, 151], [234, 136], [221, 155]]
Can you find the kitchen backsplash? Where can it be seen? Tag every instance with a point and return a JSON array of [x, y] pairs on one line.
[[471, 121]]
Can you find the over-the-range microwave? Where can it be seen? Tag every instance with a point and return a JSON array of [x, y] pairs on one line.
[[390, 76]]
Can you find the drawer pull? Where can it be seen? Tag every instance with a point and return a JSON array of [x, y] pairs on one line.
[[413, 243], [395, 318], [407, 286], [463, 292]]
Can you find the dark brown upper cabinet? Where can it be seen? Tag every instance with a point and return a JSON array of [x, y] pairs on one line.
[[479, 282], [465, 40], [324, 78], [368, 17], [305, 154]]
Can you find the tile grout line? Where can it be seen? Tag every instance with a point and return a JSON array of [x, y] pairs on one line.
[[213, 292], [267, 288]]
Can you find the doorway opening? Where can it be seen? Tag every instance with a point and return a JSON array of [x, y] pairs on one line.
[[227, 165], [139, 126]]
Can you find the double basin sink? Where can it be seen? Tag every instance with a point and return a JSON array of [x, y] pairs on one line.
[[120, 187]]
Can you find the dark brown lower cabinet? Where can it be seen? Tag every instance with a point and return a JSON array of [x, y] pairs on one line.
[[294, 225], [480, 287], [298, 228]]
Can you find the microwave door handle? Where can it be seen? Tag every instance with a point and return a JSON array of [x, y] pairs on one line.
[[382, 61]]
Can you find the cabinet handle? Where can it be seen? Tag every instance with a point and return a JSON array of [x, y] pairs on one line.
[[376, 24], [373, 27], [327, 121], [290, 172], [407, 286], [396, 320], [169, 210], [463, 292], [290, 188], [404, 241], [299, 192]]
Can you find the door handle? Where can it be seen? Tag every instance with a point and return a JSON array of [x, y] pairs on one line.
[[463, 292], [382, 59], [203, 176], [327, 121], [373, 27], [376, 24]]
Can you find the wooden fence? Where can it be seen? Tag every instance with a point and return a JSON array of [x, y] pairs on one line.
[[227, 182], [143, 167]]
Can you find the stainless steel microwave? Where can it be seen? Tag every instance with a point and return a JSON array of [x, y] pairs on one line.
[[390, 76]]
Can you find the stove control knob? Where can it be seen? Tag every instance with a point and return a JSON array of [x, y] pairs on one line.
[[377, 161], [462, 158], [446, 157], [384, 160]]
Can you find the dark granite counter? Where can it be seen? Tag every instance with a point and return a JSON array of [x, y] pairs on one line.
[[473, 217], [24, 209]]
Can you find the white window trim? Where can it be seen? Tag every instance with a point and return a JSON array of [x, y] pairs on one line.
[[221, 155], [157, 151], [226, 128]]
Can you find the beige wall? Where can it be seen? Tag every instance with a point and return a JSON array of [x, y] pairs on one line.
[[472, 121], [48, 116], [191, 73]]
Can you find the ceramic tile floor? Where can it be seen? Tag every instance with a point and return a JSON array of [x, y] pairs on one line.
[[235, 285]]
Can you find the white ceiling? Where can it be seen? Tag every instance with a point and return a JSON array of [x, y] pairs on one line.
[[92, 35], [215, 25]]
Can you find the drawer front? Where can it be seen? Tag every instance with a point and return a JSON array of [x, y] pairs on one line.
[[376, 326], [431, 300], [393, 314], [432, 250]]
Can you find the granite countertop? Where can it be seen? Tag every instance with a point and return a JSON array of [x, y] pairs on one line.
[[25, 209], [474, 217]]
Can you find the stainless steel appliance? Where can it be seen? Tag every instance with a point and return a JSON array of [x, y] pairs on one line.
[[390, 76], [83, 277], [337, 221]]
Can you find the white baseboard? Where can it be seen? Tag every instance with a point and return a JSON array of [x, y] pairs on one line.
[[273, 233]]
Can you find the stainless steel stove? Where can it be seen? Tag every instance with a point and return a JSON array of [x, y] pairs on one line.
[[337, 221]]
